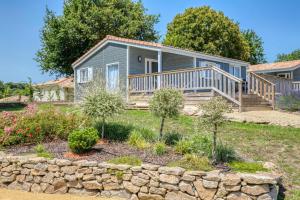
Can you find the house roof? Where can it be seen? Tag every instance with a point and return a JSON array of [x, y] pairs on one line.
[[277, 66], [66, 82], [139, 43]]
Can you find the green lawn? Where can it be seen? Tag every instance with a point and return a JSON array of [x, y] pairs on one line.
[[280, 145]]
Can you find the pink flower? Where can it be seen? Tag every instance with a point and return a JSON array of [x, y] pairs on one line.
[[8, 130]]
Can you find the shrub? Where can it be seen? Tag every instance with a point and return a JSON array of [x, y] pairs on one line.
[[101, 104], [159, 148], [82, 140], [136, 140], [165, 103], [225, 153], [115, 131], [250, 167], [147, 134], [213, 117], [192, 162], [129, 160], [184, 146], [201, 145], [42, 152], [171, 138]]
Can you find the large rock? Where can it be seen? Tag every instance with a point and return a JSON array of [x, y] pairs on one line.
[[92, 185], [19, 186], [232, 188], [36, 188], [210, 184], [171, 170], [41, 167], [160, 191], [143, 176], [85, 170], [169, 186], [186, 187], [212, 176], [48, 178], [204, 193], [60, 185], [169, 179], [178, 196], [265, 197], [85, 163], [153, 174], [150, 167], [238, 196], [53, 168], [20, 178], [130, 187], [112, 186], [255, 189], [143, 196], [63, 162], [138, 181], [69, 169], [186, 177], [231, 179], [75, 184], [83, 192], [258, 179], [7, 179]]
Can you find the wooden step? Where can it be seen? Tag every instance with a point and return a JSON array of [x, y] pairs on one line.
[[256, 108]]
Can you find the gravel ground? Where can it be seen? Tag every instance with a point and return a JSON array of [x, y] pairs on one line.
[[20, 195], [100, 152]]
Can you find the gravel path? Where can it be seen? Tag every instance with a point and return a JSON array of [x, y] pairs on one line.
[[20, 195], [270, 117]]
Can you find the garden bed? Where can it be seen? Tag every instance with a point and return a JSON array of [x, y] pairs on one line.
[[100, 152]]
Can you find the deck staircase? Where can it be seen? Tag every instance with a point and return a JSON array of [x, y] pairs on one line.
[[253, 102]]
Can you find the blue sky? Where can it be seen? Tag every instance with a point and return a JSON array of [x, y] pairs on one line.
[[276, 21]]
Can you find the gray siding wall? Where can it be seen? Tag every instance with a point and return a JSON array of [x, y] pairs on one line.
[[110, 53], [173, 61], [136, 67], [296, 74]]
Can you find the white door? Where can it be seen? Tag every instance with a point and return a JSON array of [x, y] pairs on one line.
[[151, 66], [112, 76]]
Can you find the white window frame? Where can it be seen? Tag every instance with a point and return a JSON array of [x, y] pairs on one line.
[[234, 67], [286, 75], [88, 78], [151, 60], [106, 76]]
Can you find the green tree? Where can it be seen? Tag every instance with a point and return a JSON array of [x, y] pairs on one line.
[[255, 42], [84, 23], [294, 55], [212, 118], [206, 30], [165, 103], [101, 104], [28, 90]]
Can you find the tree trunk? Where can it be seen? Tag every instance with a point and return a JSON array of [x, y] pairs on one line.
[[214, 147], [161, 128], [102, 132]]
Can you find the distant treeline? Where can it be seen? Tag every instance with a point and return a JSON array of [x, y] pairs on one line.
[[12, 89]]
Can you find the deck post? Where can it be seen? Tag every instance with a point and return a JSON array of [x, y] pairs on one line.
[[159, 70], [240, 97]]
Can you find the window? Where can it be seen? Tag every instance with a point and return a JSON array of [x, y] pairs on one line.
[[286, 75], [84, 75], [235, 70], [209, 64]]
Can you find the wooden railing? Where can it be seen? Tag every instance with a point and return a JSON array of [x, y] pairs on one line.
[[283, 86], [191, 79], [262, 87], [296, 86]]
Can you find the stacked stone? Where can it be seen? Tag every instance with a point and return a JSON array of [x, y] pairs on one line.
[[145, 182]]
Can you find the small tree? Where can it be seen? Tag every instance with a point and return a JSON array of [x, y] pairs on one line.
[[213, 117], [101, 105], [166, 104]]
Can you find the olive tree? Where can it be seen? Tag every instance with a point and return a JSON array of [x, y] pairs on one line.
[[101, 104], [166, 103], [213, 117]]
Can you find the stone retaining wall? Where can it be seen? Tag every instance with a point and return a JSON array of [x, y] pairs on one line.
[[146, 182]]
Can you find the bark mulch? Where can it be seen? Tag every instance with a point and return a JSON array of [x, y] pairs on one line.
[[100, 153]]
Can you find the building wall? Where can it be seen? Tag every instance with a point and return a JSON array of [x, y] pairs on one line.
[[136, 67], [48, 94], [173, 61], [296, 74], [111, 53]]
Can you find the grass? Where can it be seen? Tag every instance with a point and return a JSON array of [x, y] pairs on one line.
[[129, 160], [250, 167], [192, 162]]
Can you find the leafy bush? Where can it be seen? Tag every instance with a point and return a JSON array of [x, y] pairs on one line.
[[129, 160], [184, 147], [171, 138], [115, 131], [290, 102], [42, 152], [250, 167], [82, 140], [136, 140], [159, 148], [101, 104], [166, 103], [192, 162], [33, 125]]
